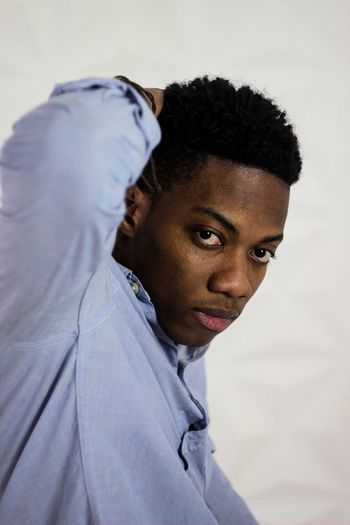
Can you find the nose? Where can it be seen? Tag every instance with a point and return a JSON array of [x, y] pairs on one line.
[[233, 279]]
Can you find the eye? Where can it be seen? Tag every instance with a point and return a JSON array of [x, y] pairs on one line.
[[262, 255], [207, 238]]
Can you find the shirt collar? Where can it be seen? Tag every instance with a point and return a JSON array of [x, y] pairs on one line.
[[135, 285], [184, 353]]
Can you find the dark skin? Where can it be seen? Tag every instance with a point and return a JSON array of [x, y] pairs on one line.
[[202, 250]]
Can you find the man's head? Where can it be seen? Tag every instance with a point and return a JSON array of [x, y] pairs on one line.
[[201, 238]]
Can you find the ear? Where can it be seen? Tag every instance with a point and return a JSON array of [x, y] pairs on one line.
[[137, 205]]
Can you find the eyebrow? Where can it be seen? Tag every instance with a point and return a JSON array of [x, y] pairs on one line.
[[230, 226]]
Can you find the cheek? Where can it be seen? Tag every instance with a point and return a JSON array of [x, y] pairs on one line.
[[183, 266], [256, 276], [176, 251]]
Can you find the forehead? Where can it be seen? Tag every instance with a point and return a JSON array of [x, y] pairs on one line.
[[239, 192]]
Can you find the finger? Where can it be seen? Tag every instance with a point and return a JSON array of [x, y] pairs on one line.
[[158, 97]]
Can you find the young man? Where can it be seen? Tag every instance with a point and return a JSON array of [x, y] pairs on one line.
[[103, 415]]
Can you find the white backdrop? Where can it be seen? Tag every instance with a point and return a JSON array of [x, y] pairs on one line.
[[279, 380]]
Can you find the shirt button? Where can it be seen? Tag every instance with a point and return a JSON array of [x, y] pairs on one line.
[[135, 287]]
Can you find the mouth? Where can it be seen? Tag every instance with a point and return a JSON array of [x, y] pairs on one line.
[[215, 320]]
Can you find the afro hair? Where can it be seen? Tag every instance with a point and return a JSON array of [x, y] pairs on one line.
[[212, 117]]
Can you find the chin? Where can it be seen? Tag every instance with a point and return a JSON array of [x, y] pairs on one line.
[[191, 340], [189, 336]]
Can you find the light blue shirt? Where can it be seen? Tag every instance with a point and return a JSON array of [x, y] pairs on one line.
[[103, 418]]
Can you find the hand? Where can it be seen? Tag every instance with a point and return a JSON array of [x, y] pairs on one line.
[[153, 96], [158, 97]]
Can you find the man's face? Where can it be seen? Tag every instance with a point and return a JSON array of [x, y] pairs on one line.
[[202, 250]]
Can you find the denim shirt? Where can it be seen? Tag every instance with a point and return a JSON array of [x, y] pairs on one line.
[[103, 418]]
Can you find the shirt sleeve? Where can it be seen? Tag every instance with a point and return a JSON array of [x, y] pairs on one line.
[[64, 172], [225, 504]]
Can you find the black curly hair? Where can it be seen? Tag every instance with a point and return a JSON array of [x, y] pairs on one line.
[[212, 117]]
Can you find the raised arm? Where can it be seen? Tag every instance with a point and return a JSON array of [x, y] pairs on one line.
[[64, 173]]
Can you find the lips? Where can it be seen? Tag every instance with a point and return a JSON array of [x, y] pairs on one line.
[[215, 320]]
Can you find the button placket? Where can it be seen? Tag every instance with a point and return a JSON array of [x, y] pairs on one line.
[[193, 452]]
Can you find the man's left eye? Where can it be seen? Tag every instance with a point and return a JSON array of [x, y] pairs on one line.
[[208, 238], [262, 255]]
